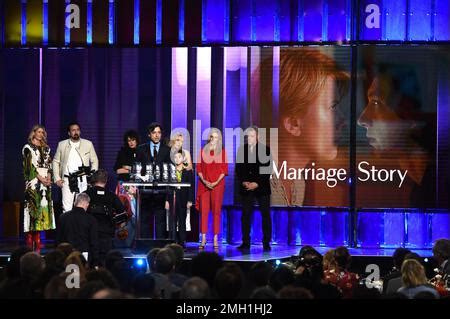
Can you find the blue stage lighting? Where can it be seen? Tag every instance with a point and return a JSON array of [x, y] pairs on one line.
[[277, 262], [140, 262]]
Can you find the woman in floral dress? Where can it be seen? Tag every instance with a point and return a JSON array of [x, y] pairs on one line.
[[38, 205]]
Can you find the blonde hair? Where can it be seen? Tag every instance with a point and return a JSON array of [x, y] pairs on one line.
[[33, 131], [329, 262], [303, 74], [218, 148], [174, 138], [413, 273]]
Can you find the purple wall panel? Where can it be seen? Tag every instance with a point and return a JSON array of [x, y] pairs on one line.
[[394, 20], [337, 20], [215, 15], [313, 16], [394, 229], [439, 223], [441, 20], [288, 20], [265, 15], [417, 230], [420, 13], [334, 228], [241, 19]]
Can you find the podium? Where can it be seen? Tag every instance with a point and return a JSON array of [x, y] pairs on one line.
[[143, 245]]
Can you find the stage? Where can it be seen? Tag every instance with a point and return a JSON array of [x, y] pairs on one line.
[[231, 253]]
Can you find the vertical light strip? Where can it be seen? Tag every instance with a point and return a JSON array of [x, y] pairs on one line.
[[253, 20], [66, 28], [383, 23], [23, 38], [158, 21], [276, 22], [179, 88], [89, 23], [205, 21], [325, 20], [111, 21], [136, 21], [301, 22], [349, 17], [226, 22], [45, 22], [203, 87], [181, 21], [40, 86], [432, 21]]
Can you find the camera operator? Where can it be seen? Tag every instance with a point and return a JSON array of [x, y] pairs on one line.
[[70, 155], [104, 206], [309, 274]]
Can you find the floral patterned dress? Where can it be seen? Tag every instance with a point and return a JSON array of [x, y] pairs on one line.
[[38, 205]]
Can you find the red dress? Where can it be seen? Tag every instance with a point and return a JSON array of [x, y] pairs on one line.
[[211, 166]]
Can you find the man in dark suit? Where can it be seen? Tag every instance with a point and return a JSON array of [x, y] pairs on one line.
[[156, 153], [253, 169], [79, 228], [441, 253]]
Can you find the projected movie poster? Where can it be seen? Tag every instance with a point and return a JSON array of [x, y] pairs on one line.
[[402, 126], [399, 153]]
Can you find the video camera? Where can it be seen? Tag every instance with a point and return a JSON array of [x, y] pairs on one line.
[[73, 177]]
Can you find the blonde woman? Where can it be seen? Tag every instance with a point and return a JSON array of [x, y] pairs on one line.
[[37, 172], [211, 169], [414, 280], [176, 146]]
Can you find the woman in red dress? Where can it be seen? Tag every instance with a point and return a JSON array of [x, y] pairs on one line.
[[212, 167]]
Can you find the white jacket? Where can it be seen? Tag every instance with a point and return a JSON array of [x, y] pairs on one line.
[[86, 151]]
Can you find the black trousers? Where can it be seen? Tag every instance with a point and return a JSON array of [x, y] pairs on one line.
[[104, 246], [180, 218], [152, 205], [247, 210]]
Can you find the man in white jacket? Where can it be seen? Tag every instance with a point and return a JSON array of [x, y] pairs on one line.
[[70, 155]]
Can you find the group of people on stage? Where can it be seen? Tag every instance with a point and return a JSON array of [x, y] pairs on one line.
[[75, 164]]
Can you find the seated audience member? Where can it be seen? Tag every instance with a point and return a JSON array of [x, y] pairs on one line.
[[263, 293], [312, 278], [176, 277], [144, 286], [205, 265], [441, 253], [414, 280], [398, 258], [228, 282], [65, 248], [328, 260], [395, 283], [57, 288], [260, 274], [341, 277], [195, 288], [164, 266], [151, 255], [282, 276]]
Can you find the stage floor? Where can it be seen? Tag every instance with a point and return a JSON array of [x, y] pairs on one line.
[[231, 253]]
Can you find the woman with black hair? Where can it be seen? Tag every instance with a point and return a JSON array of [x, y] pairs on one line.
[[127, 155]]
